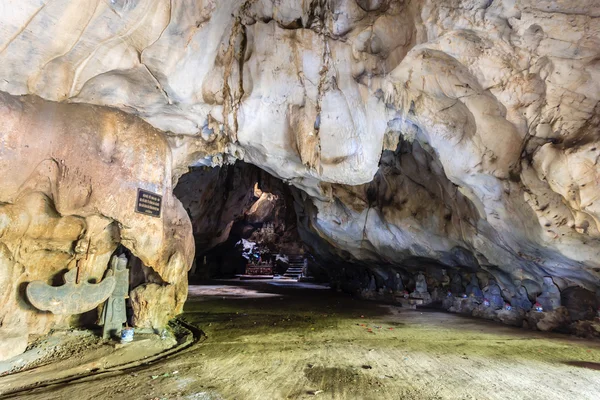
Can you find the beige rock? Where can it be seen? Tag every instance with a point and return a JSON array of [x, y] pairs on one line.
[[153, 305], [71, 175]]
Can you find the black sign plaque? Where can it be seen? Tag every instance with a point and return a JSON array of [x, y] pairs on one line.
[[148, 203]]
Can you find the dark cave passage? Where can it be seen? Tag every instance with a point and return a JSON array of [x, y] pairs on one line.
[[242, 216]]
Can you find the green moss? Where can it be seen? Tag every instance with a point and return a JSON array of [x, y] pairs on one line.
[[318, 340]]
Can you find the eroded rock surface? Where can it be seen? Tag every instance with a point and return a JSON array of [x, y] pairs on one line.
[[70, 180], [421, 135]]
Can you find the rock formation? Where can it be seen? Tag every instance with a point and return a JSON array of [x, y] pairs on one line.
[[418, 135], [70, 178]]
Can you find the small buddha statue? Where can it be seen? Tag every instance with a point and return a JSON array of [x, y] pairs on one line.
[[421, 284], [521, 299], [550, 297], [494, 294], [473, 289]]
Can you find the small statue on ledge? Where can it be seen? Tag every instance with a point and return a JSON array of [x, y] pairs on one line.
[[521, 299], [456, 285], [421, 284], [473, 289], [550, 297], [421, 294], [494, 294], [398, 285]]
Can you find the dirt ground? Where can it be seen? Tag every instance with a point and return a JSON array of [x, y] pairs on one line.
[[281, 341]]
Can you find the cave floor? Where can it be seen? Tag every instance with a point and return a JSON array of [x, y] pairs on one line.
[[280, 340]]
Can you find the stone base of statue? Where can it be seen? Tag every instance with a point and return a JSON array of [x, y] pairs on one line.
[[403, 301], [485, 312], [367, 294], [464, 305], [514, 316], [419, 298], [438, 294]]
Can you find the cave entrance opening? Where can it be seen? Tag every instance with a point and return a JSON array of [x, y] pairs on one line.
[[245, 225]]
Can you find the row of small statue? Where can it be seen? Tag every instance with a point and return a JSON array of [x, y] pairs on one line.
[[491, 295], [548, 300]]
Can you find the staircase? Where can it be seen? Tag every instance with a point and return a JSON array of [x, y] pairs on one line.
[[296, 264]]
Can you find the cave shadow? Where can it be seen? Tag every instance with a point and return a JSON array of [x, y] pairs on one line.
[[22, 300], [265, 294], [583, 364], [238, 212]]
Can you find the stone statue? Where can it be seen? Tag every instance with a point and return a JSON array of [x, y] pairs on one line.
[[114, 313], [399, 286], [550, 297], [473, 288], [420, 296], [494, 294], [421, 284], [70, 298], [372, 284], [521, 299], [456, 285], [445, 279]]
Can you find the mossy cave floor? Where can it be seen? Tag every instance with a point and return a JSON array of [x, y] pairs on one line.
[[309, 342]]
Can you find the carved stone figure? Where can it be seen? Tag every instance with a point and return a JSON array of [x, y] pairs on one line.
[[445, 279], [456, 285], [473, 288], [420, 296], [114, 313], [494, 294], [372, 284], [399, 286], [521, 299], [550, 297], [421, 284], [70, 298]]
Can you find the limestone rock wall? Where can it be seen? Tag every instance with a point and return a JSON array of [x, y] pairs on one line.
[[70, 175]]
